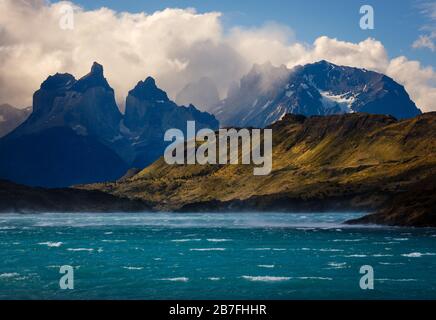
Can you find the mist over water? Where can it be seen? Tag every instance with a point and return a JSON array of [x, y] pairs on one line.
[[212, 256]]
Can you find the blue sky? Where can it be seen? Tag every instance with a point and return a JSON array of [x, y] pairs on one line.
[[398, 23]]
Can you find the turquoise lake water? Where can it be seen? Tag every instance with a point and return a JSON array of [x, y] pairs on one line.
[[212, 256]]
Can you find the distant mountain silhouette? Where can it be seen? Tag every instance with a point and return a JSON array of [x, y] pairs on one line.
[[11, 117], [202, 93]]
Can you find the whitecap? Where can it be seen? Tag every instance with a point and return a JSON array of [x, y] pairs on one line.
[[417, 254], [259, 249], [80, 249], [266, 278], [315, 278], [133, 268], [186, 240], [269, 266], [51, 244], [382, 255], [219, 240], [208, 249], [214, 279], [330, 250], [397, 280], [337, 265], [9, 275], [356, 256], [180, 279]]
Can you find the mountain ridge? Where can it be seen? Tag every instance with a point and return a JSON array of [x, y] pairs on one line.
[[267, 93]]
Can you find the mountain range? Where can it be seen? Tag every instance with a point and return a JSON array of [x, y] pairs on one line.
[[76, 133], [267, 93]]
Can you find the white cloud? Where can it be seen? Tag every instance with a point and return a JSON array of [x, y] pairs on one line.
[[425, 41], [176, 46], [419, 81]]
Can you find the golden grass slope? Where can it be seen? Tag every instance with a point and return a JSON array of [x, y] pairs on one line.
[[361, 159]]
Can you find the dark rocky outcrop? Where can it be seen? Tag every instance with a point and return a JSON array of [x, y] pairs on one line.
[[415, 207], [72, 135]]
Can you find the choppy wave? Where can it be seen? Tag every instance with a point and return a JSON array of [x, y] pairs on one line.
[[417, 254], [396, 280], [179, 279], [208, 249], [133, 268], [337, 265], [51, 244], [356, 256], [315, 278], [9, 275], [266, 278]]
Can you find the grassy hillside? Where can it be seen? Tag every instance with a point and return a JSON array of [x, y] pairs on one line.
[[342, 162]]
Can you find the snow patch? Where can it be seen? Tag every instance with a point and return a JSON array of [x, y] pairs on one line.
[[344, 101]]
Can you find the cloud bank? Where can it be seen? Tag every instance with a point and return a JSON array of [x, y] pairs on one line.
[[176, 46]]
